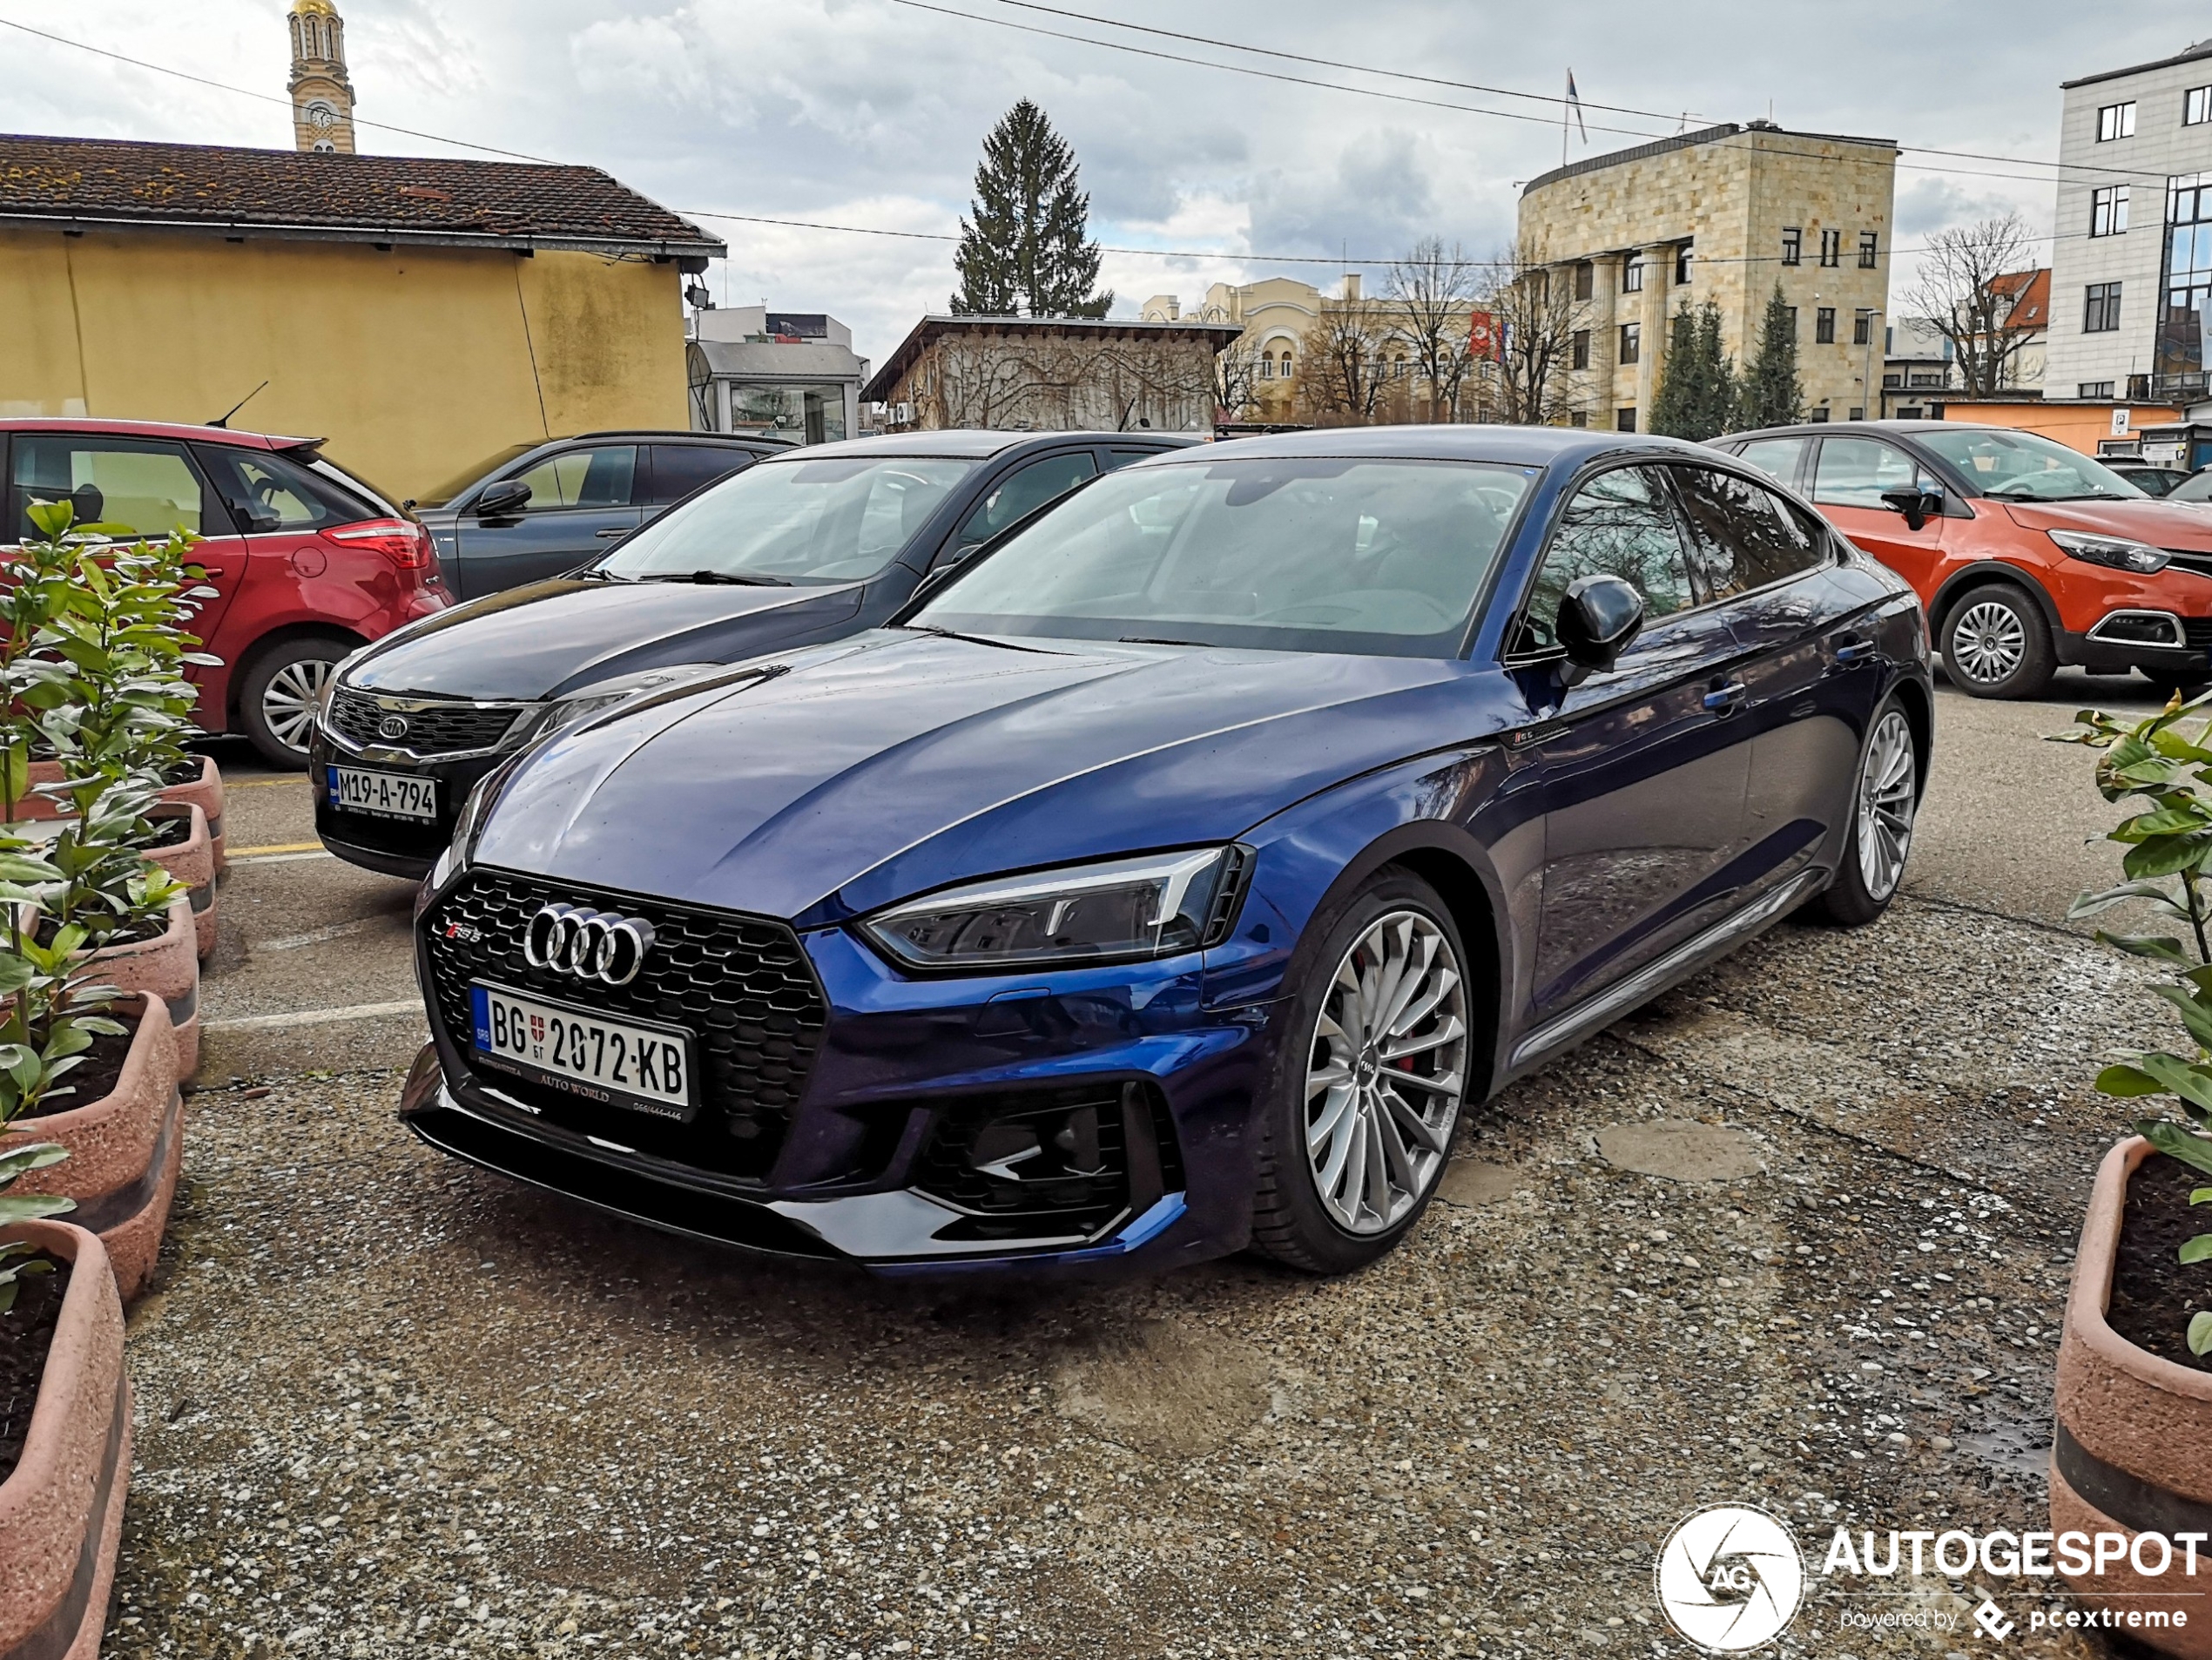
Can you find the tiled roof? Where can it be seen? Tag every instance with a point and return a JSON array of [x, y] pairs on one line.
[[288, 192]]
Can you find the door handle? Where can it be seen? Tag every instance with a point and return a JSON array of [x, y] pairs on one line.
[[1725, 699], [1852, 647], [606, 535]]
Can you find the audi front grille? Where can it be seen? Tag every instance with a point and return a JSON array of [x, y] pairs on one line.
[[432, 727], [741, 984]]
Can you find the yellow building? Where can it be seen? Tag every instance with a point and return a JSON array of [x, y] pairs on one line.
[[1722, 213], [420, 314]]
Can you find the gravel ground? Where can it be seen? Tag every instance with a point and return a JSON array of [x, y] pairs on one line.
[[392, 1405]]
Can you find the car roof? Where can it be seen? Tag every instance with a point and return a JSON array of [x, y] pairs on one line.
[[1511, 446], [970, 443], [176, 429], [675, 435], [1808, 428]]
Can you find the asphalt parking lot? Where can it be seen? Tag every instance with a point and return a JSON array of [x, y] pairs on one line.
[[1799, 1233]]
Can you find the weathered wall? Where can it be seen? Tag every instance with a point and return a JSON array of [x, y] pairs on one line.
[[414, 362]]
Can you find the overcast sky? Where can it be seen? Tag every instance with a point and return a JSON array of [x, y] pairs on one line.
[[871, 112]]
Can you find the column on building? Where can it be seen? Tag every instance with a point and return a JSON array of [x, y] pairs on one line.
[[1605, 339], [1658, 278]]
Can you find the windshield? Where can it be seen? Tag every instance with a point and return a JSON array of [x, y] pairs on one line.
[[838, 519], [463, 480], [2197, 487], [1380, 558], [2025, 467]]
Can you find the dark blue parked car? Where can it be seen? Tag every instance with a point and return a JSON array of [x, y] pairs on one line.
[[1169, 879]]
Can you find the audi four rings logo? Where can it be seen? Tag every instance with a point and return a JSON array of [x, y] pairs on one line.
[[592, 945]]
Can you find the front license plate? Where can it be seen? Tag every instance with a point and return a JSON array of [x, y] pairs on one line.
[[385, 795], [647, 1068]]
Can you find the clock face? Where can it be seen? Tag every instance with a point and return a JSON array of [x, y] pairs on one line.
[[321, 115]]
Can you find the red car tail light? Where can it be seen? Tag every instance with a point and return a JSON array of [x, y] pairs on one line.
[[407, 543]]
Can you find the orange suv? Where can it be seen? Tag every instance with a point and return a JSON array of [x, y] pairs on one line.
[[2026, 554]]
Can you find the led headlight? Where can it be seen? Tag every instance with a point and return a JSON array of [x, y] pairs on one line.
[[2122, 553], [1121, 910], [561, 714]]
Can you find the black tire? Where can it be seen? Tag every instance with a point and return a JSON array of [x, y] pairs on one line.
[[265, 699], [1292, 1222], [2166, 682], [1996, 644], [1856, 897]]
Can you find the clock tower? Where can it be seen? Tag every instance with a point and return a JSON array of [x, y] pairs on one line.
[[322, 98]]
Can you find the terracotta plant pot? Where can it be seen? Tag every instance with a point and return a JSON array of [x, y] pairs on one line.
[[61, 1513], [2133, 1447], [191, 861], [168, 967], [205, 792], [126, 1149]]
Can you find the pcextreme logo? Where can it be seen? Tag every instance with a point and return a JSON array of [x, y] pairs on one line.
[[1730, 1578]]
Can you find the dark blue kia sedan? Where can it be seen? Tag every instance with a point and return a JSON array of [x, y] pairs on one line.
[[1167, 880]]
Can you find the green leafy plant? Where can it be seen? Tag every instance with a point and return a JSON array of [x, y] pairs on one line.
[[2163, 769]]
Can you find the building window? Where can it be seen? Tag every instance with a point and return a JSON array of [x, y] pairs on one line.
[[1285, 364], [2100, 312], [1870, 244], [1624, 420], [1862, 328], [1585, 280], [1821, 414], [1889, 380], [1823, 325], [2196, 107], [2116, 121], [2108, 210], [1681, 264], [1581, 348], [1790, 313], [1579, 418], [1267, 366], [1632, 274], [1631, 343], [1857, 413], [1831, 247], [2094, 390], [1793, 245]]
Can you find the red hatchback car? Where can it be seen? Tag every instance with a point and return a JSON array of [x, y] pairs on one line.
[[307, 563]]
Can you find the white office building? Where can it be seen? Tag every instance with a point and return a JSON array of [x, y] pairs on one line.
[[2131, 267]]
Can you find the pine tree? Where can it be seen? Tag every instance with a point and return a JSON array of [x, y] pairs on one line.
[[1773, 395], [1026, 251], [1698, 393]]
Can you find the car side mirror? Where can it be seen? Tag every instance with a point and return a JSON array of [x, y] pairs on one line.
[[1598, 619], [1918, 506], [502, 500]]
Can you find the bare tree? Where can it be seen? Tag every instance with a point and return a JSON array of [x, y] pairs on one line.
[[1341, 371], [1963, 292], [1236, 381], [1534, 311], [1434, 290], [1051, 382]]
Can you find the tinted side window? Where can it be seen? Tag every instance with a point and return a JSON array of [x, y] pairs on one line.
[[1743, 536], [1854, 472], [1619, 524], [680, 468], [1118, 458], [268, 492], [1778, 458], [1024, 491], [146, 485], [598, 478]]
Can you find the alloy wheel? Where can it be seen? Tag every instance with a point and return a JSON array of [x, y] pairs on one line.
[[1885, 806], [288, 702], [1988, 642], [1386, 1073]]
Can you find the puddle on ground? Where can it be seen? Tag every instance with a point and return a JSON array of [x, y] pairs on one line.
[[2022, 1451]]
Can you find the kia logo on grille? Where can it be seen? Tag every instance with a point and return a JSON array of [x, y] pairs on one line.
[[392, 727], [590, 945]]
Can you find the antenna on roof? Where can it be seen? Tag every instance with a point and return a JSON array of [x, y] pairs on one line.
[[224, 419]]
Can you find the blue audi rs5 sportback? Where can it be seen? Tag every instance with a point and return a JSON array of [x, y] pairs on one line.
[[1169, 879]]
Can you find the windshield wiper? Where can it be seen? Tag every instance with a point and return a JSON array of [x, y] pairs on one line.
[[745, 579], [1149, 639], [593, 573], [973, 639]]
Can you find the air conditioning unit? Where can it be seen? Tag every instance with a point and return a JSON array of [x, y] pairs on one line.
[[902, 414]]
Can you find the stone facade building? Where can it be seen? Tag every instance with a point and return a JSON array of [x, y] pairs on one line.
[[1051, 375], [322, 98], [1723, 214]]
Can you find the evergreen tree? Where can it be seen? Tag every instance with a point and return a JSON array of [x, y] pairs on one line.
[[1773, 395], [1025, 252], [1697, 391]]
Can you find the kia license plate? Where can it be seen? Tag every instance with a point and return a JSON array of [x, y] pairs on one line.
[[383, 795], [617, 1063]]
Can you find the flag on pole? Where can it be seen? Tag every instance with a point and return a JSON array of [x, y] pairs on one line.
[[1575, 103]]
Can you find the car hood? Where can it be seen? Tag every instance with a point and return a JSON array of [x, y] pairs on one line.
[[551, 637], [893, 763], [2163, 524]]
